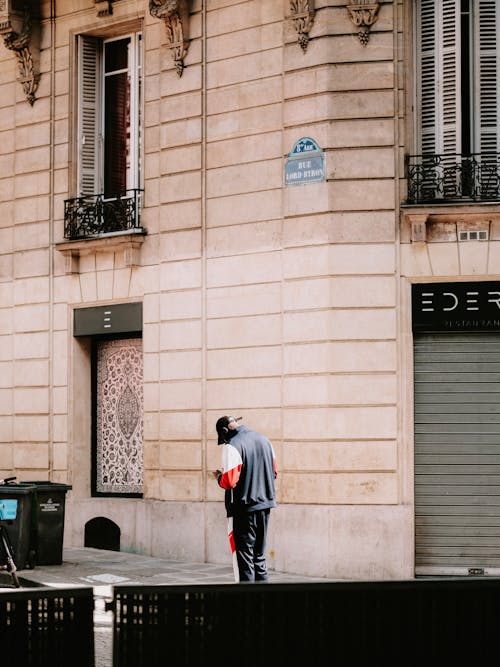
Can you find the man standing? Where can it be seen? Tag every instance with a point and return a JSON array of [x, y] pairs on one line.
[[248, 472]]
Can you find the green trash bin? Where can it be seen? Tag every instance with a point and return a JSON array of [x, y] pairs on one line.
[[48, 509], [19, 529]]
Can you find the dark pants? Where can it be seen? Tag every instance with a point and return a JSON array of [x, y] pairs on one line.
[[250, 532]]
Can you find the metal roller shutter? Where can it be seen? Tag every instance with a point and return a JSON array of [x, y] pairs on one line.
[[457, 453]]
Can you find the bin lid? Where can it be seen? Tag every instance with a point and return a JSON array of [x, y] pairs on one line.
[[49, 485], [16, 489]]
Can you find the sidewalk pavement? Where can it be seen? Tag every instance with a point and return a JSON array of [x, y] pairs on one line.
[[102, 569]]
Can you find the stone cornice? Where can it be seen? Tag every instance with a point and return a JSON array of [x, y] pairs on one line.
[[428, 224], [129, 243]]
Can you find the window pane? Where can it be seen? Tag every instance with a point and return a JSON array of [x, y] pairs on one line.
[[116, 133], [116, 55], [112, 103]]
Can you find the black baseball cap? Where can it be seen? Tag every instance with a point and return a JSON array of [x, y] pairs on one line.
[[222, 427]]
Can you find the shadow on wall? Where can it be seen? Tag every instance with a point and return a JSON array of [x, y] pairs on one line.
[[102, 533]]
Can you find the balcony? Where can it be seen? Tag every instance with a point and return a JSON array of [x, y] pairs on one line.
[[95, 223], [94, 216], [453, 178]]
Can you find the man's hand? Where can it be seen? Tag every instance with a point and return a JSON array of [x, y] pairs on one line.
[[216, 473]]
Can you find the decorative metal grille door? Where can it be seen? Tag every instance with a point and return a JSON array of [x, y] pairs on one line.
[[119, 417]]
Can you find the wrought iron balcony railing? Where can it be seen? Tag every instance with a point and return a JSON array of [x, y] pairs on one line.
[[96, 215], [453, 177]]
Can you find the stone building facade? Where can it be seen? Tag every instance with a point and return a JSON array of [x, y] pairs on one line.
[[205, 210]]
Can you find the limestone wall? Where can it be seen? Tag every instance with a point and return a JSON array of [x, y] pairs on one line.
[[277, 303]]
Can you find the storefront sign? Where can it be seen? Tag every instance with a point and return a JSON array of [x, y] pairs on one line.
[[305, 163], [456, 306], [118, 318]]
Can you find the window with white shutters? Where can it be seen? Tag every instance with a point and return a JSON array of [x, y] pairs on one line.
[[109, 115], [458, 71], [457, 101], [486, 75]]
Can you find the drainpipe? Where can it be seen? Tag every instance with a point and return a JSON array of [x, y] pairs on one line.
[[204, 457], [51, 228]]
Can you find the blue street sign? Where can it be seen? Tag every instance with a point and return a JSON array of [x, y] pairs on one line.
[[305, 163]]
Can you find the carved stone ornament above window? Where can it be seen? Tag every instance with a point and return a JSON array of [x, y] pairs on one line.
[[175, 14], [16, 28], [302, 16], [363, 15], [104, 7]]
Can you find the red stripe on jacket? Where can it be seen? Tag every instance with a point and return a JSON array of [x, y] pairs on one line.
[[229, 479]]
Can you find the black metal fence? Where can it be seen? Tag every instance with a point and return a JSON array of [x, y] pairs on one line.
[[93, 215], [355, 623], [42, 627], [451, 178], [432, 621]]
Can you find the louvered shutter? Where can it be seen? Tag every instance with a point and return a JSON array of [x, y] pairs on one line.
[[450, 76], [438, 88], [88, 116], [487, 69], [426, 81]]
